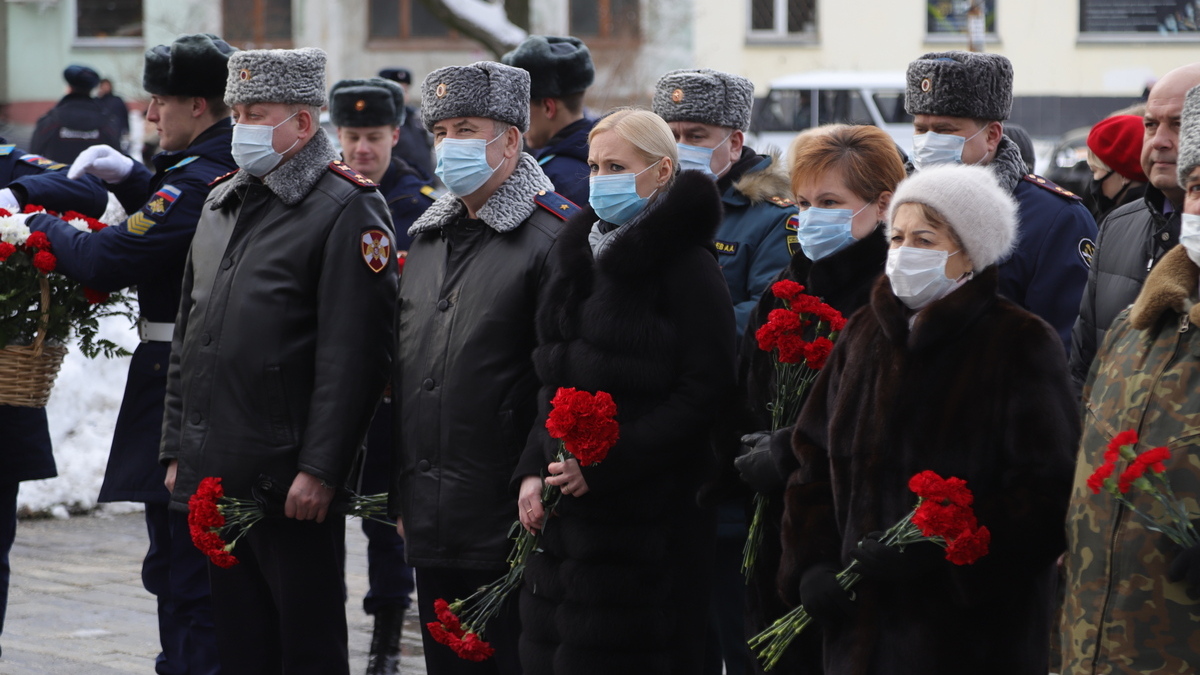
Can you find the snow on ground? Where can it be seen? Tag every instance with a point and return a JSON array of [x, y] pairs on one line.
[[82, 412]]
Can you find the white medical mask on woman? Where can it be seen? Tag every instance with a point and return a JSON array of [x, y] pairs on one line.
[[254, 147], [918, 275], [823, 232], [932, 148], [462, 164]]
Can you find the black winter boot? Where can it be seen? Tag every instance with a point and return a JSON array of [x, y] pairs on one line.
[[384, 658]]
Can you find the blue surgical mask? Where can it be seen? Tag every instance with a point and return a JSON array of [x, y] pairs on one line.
[[615, 198], [823, 232], [918, 275], [254, 147], [462, 164], [698, 158], [932, 148]]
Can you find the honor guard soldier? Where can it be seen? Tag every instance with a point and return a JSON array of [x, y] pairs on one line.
[[369, 116], [560, 71], [464, 386], [959, 101], [280, 354], [415, 146], [186, 82], [76, 122]]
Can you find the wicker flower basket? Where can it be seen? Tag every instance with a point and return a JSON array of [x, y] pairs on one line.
[[27, 372]]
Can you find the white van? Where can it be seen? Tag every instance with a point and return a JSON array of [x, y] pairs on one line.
[[842, 97]]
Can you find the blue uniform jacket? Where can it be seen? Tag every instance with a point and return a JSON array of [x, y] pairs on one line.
[[753, 242], [148, 251], [1048, 271], [86, 196], [564, 160], [408, 193]]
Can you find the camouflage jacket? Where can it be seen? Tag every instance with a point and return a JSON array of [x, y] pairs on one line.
[[1122, 615]]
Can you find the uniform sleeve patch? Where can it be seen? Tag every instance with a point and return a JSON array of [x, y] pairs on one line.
[[376, 248], [1087, 248], [43, 162], [6, 150], [343, 169], [793, 223], [725, 247], [138, 224], [793, 244], [162, 201]]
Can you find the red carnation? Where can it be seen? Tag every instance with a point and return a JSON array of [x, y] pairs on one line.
[[6, 249], [1131, 473], [791, 348], [1127, 437], [45, 261], [1095, 482], [205, 522], [786, 290], [1154, 459], [969, 546], [936, 519], [818, 352], [584, 423], [5, 213], [95, 297], [38, 240], [929, 485]]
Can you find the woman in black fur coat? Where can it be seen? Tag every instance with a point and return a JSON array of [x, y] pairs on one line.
[[941, 373], [638, 309]]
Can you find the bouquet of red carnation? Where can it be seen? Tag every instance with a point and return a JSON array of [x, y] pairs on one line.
[[1144, 471], [586, 428], [797, 362], [943, 515], [214, 517]]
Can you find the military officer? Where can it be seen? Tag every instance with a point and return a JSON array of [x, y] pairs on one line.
[[415, 146], [186, 81], [560, 71], [959, 101]]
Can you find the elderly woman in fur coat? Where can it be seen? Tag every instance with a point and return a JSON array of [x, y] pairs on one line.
[[938, 372], [639, 309]]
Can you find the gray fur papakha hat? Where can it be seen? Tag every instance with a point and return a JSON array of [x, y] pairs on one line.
[[1189, 136], [706, 96], [557, 66], [960, 84], [482, 89], [375, 102], [276, 76], [192, 65]]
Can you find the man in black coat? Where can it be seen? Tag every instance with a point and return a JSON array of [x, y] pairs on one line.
[[464, 387], [77, 122], [415, 146]]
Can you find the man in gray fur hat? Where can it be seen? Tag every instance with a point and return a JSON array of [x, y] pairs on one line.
[[959, 101], [280, 353], [463, 383]]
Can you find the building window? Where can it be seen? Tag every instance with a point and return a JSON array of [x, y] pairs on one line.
[[613, 19], [953, 16], [392, 20], [783, 19], [1140, 19], [257, 24], [108, 19]]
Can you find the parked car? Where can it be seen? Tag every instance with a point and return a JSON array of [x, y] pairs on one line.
[[840, 97]]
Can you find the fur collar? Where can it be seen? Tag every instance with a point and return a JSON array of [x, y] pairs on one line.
[[293, 180], [509, 206], [941, 319], [760, 184], [1171, 285], [1008, 165], [687, 215]]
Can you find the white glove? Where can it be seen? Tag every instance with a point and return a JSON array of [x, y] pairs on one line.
[[8, 201], [103, 162]]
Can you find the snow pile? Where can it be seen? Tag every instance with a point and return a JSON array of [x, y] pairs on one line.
[[82, 412]]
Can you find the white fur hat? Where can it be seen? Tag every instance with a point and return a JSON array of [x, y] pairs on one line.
[[982, 214]]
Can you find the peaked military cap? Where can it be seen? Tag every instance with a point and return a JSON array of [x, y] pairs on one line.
[[557, 66], [374, 102], [401, 75], [960, 84], [193, 65], [81, 78], [482, 89], [706, 96]]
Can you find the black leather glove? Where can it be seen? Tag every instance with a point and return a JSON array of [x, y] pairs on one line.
[[890, 563], [1186, 567], [824, 599], [756, 465]]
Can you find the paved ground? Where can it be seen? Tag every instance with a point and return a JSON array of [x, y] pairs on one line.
[[77, 607]]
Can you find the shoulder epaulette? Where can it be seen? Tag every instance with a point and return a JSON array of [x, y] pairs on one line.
[[1051, 187], [782, 202], [343, 169], [183, 162], [221, 179], [6, 150], [557, 204], [42, 162]]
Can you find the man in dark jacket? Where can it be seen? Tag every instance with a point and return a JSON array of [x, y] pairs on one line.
[[280, 353], [959, 101], [465, 389], [1136, 235], [116, 108], [186, 81], [368, 115], [415, 146], [77, 122], [560, 71]]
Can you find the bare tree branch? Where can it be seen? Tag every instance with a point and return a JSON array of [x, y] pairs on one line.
[[481, 20]]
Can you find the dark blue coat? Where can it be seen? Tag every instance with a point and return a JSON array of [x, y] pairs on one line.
[[408, 193], [76, 123], [564, 160], [148, 251], [85, 196]]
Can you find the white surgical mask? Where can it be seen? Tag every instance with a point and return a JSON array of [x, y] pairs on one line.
[[932, 148], [254, 147], [918, 275], [462, 164], [823, 232], [699, 158], [1189, 236]]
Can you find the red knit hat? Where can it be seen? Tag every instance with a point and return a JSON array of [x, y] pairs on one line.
[[1117, 141]]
